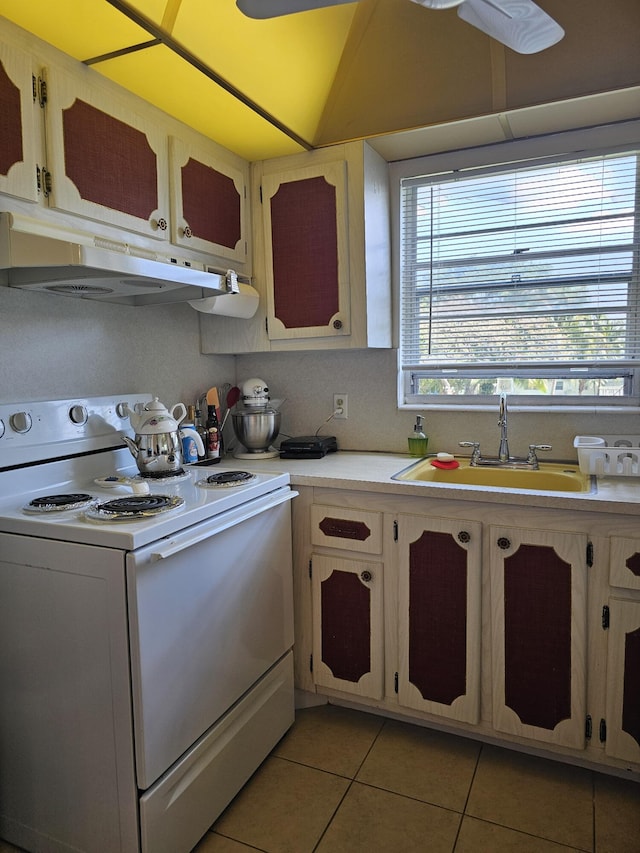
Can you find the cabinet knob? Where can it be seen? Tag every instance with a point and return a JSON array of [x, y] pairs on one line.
[[186, 232], [159, 223], [464, 536], [337, 324], [366, 576], [503, 543]]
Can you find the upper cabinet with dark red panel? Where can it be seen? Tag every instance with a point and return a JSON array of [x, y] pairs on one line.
[[307, 254], [20, 125], [539, 614], [326, 249], [107, 161], [209, 201]]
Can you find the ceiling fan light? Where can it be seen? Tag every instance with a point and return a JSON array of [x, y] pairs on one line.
[[262, 9], [438, 4]]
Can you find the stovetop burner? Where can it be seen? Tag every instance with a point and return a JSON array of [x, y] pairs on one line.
[[162, 476], [134, 507], [226, 479], [59, 503]]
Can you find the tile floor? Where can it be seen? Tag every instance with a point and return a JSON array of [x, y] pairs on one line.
[[343, 781]]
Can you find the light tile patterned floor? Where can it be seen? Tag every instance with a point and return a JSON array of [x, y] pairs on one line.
[[343, 781]]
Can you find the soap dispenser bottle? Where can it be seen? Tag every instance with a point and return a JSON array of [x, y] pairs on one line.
[[418, 440]]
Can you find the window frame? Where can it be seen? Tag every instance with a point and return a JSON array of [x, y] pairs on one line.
[[585, 142]]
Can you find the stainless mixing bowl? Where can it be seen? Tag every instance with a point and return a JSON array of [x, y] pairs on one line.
[[257, 428]]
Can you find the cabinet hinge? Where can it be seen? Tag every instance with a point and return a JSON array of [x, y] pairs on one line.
[[395, 682], [266, 325], [34, 88], [43, 181], [603, 731], [310, 568], [310, 663], [42, 91], [589, 554], [605, 617], [395, 539], [588, 727], [260, 193], [45, 176]]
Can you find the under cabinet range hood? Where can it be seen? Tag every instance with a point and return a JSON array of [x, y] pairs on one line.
[[47, 258]]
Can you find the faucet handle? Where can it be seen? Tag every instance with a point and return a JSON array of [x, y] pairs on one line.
[[475, 453], [532, 458]]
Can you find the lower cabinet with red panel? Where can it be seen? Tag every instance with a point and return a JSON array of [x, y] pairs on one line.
[[621, 620], [539, 625], [439, 606]]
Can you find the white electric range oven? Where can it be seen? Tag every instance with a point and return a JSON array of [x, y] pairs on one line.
[[146, 629]]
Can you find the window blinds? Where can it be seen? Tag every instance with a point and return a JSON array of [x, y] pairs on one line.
[[532, 265]]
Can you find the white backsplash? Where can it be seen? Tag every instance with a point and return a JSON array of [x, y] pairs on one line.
[[56, 347], [309, 380]]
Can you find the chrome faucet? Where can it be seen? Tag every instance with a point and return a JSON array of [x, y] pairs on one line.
[[504, 458], [503, 451]]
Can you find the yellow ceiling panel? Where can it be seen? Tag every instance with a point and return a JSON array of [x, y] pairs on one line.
[[158, 75], [81, 28], [286, 64]]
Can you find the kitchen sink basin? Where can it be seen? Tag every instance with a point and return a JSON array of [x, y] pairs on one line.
[[550, 477]]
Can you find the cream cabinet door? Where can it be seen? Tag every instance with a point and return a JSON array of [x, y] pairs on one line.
[[21, 137], [208, 202], [439, 599], [305, 220], [538, 630], [623, 680], [107, 161], [348, 642]]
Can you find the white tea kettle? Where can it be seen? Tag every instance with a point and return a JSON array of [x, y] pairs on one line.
[[156, 447]]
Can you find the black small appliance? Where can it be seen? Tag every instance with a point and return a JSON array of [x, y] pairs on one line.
[[308, 447]]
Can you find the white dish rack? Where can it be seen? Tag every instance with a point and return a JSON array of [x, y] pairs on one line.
[[609, 455]]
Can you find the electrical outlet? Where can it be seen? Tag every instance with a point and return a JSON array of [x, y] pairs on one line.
[[341, 401]]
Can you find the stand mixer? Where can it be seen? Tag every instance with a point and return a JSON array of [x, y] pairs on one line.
[[255, 422]]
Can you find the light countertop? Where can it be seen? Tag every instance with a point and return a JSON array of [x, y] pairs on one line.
[[372, 472]]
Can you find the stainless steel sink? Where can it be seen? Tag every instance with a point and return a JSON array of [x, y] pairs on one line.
[[550, 477]]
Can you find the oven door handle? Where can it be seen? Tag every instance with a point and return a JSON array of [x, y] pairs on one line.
[[226, 520]]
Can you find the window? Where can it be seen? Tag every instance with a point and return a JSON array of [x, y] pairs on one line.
[[522, 278]]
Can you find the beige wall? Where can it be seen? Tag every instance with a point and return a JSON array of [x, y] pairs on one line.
[[392, 76]]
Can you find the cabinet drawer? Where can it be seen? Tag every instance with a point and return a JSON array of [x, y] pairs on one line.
[[624, 564], [350, 529]]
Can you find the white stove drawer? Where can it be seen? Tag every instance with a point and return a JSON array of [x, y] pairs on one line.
[[177, 811]]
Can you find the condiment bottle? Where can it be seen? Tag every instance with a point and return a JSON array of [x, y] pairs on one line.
[[213, 445], [418, 440]]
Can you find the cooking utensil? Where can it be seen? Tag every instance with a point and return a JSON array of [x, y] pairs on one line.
[[232, 398]]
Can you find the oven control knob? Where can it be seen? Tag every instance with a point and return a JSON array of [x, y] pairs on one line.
[[78, 415], [1, 428], [20, 422]]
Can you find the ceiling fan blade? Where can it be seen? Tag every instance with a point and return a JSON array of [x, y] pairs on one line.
[[276, 8], [519, 24]]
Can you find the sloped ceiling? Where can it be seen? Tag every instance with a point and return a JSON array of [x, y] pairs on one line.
[[265, 88]]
